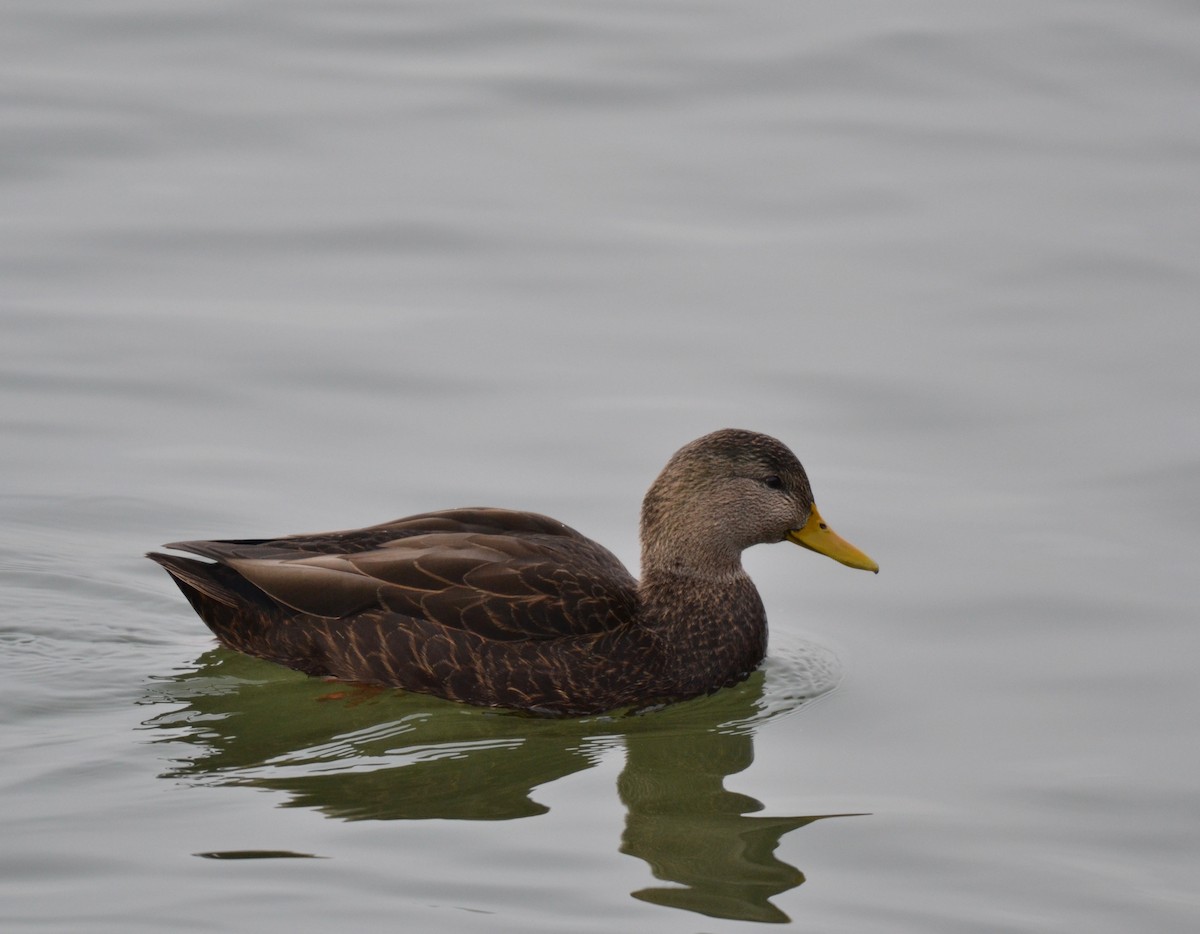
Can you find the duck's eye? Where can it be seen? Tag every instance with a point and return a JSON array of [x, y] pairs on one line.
[[774, 482]]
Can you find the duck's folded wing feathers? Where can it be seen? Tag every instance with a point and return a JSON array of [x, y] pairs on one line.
[[520, 583]]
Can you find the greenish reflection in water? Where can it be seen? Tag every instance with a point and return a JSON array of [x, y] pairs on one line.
[[357, 753]]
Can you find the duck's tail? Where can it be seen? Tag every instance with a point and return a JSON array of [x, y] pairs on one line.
[[237, 612], [199, 579]]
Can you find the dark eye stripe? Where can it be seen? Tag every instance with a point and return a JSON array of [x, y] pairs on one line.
[[774, 482]]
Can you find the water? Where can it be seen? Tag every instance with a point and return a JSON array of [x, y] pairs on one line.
[[277, 268]]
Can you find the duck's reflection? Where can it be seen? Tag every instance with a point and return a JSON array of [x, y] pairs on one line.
[[693, 832], [357, 754]]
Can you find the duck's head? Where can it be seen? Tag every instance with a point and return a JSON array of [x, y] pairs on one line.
[[729, 490]]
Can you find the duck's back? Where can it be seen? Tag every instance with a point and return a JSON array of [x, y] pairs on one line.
[[496, 573]]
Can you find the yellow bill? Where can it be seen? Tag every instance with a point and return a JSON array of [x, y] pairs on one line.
[[817, 536]]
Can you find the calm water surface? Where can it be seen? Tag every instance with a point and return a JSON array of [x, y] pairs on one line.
[[271, 268]]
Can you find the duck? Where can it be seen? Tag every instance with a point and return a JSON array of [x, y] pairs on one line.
[[508, 609]]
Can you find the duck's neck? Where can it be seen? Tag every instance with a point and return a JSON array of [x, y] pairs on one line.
[[713, 628]]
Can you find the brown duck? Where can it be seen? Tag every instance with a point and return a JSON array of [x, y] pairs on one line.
[[513, 609]]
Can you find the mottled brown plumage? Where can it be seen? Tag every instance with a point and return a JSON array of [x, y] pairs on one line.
[[512, 609]]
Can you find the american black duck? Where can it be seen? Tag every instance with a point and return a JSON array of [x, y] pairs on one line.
[[513, 609]]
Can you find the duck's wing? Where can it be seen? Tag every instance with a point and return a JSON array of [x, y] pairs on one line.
[[496, 573]]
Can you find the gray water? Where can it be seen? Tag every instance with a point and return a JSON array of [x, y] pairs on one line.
[[271, 268]]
